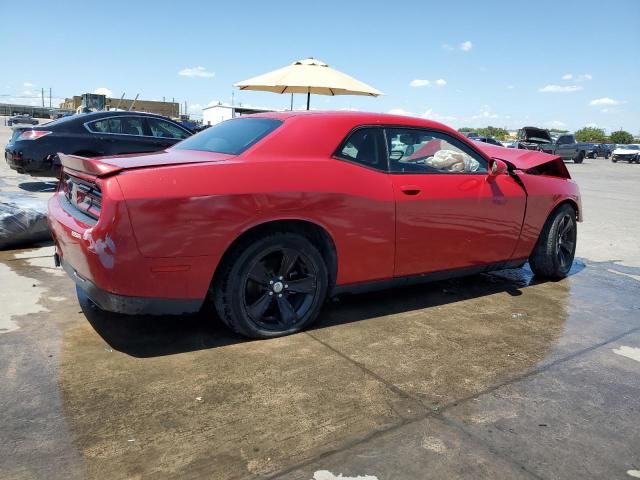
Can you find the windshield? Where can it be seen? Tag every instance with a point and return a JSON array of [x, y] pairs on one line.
[[630, 147], [231, 137]]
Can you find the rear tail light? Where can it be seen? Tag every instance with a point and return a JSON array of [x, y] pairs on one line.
[[84, 196], [33, 134]]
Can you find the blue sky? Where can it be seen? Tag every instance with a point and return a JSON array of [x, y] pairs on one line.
[[546, 63]]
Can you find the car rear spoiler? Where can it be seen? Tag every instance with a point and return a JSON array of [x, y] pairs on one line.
[[90, 166]]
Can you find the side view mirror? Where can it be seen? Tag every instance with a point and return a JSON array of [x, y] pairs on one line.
[[497, 167]]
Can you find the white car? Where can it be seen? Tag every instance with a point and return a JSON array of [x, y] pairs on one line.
[[626, 153]]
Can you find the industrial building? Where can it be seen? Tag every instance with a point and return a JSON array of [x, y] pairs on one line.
[[94, 101]]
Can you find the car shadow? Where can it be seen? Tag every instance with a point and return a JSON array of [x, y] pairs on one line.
[[49, 186], [151, 336]]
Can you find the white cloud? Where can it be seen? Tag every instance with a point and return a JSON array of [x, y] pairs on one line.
[[466, 46], [604, 110], [196, 72], [419, 83], [555, 124], [577, 78], [28, 84], [560, 88], [446, 46], [103, 91], [400, 111], [510, 87], [604, 101], [441, 82], [438, 118]]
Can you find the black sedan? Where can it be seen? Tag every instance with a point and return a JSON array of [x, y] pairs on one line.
[[34, 150]]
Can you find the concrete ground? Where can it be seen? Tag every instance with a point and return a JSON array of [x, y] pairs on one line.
[[491, 376]]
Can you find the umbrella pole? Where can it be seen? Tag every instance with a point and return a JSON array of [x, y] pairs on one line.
[[291, 101], [308, 99]]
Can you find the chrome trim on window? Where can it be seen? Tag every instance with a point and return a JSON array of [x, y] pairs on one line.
[[85, 125]]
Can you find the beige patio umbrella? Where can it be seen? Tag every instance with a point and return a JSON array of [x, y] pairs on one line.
[[308, 76]]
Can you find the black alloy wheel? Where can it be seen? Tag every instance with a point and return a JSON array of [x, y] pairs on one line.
[[271, 286], [566, 241], [280, 288], [553, 255]]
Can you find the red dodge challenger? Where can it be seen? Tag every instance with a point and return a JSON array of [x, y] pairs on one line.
[[270, 214]]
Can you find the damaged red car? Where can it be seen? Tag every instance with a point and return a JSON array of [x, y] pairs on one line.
[[269, 215]]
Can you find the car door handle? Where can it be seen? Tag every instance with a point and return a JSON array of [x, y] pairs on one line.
[[410, 189]]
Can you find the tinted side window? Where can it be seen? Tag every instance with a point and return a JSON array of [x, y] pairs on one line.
[[164, 129], [132, 126], [366, 147], [426, 151], [565, 139], [118, 125]]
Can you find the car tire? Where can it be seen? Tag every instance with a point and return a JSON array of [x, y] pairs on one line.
[[579, 158], [271, 286], [614, 160], [554, 252]]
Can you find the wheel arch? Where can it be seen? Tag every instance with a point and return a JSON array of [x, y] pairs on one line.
[[318, 235], [566, 201]]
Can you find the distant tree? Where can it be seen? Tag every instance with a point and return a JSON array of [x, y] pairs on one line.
[[590, 134], [558, 130], [493, 132], [466, 130], [621, 136]]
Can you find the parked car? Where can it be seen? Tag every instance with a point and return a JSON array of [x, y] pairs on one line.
[[565, 146], [599, 150], [270, 214], [626, 153], [490, 140], [21, 120], [35, 150]]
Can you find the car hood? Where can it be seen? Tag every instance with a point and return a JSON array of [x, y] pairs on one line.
[[518, 158], [102, 166], [533, 134]]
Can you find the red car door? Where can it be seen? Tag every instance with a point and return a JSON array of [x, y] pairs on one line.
[[449, 213]]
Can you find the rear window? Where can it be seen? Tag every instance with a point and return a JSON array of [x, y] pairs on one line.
[[231, 137]]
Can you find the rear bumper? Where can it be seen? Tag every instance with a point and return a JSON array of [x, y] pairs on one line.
[[112, 302], [103, 260], [21, 163]]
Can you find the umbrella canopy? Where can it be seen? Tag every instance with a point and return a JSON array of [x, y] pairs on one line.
[[308, 76]]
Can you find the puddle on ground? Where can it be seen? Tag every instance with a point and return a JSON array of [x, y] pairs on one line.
[[21, 299]]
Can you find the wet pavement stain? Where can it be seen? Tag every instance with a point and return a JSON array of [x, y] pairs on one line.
[[89, 394]]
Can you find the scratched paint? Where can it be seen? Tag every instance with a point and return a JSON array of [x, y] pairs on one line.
[[327, 475], [630, 352]]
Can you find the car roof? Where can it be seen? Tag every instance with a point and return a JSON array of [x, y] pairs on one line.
[[116, 113]]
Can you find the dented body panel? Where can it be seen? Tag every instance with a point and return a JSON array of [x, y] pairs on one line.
[[167, 218]]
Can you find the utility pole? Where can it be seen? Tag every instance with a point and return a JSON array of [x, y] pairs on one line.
[[134, 102], [118, 105], [42, 97]]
